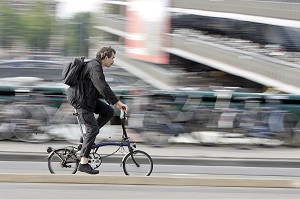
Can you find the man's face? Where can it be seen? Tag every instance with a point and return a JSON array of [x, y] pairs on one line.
[[109, 61]]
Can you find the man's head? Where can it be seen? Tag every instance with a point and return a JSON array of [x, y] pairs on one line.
[[106, 55]]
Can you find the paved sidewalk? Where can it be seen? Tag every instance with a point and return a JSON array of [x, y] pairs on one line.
[[219, 181]]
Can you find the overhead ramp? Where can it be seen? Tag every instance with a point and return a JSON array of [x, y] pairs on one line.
[[150, 73], [279, 74]]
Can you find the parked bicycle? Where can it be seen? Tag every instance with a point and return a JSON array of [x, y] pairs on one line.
[[135, 162], [24, 121], [27, 115], [242, 121], [259, 122]]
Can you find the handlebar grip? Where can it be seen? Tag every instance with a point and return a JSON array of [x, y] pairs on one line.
[[122, 113]]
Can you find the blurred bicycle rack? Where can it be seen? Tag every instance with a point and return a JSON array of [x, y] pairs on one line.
[[159, 117], [221, 118]]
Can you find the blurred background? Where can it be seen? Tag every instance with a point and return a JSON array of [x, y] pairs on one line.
[[197, 72]]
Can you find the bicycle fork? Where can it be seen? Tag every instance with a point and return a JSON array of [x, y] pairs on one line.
[[131, 152]]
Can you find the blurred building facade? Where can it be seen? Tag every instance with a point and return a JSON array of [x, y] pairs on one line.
[[250, 44]]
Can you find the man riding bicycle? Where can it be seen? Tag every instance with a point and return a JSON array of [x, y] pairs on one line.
[[84, 97]]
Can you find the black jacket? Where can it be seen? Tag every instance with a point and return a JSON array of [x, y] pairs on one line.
[[93, 86]]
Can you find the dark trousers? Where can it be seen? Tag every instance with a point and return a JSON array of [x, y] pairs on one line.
[[92, 125]]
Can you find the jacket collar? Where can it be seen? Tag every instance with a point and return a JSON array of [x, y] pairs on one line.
[[97, 60]]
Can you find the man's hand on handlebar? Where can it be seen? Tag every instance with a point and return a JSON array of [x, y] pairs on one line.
[[119, 105]]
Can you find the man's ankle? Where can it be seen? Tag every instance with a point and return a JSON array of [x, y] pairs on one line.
[[84, 160]]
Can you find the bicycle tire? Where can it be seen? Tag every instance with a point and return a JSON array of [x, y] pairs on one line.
[[30, 124], [55, 162], [144, 160]]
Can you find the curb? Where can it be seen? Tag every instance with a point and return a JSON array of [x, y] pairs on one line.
[[165, 181]]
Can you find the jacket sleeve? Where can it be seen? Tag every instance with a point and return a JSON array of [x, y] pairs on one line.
[[98, 79]]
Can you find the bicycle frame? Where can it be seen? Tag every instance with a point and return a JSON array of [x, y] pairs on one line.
[[101, 144], [125, 141]]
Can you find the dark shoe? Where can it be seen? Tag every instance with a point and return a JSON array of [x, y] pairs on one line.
[[87, 169]]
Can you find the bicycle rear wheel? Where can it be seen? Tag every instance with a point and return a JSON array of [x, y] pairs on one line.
[[138, 163], [63, 161]]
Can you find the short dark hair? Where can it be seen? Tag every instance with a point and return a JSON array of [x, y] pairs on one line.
[[105, 51]]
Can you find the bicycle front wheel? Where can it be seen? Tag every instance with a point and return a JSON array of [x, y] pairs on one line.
[[63, 161], [138, 163]]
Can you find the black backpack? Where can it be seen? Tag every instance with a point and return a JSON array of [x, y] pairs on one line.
[[71, 71]]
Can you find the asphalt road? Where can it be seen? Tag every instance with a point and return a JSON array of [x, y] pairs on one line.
[[162, 170], [176, 154]]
